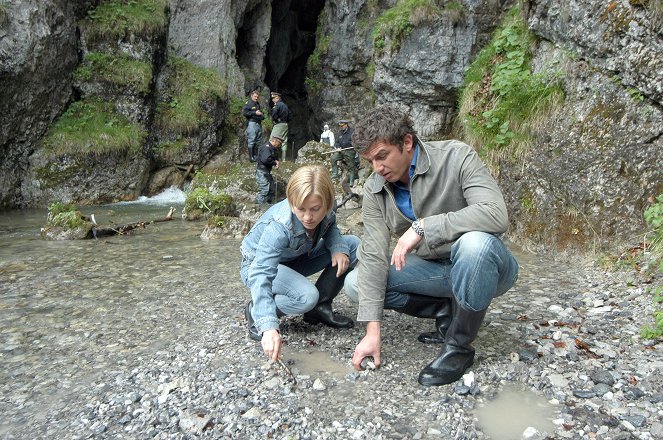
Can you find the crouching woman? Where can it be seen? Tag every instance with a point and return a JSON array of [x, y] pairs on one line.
[[292, 240]]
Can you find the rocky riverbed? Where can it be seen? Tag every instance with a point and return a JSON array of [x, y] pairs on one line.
[[144, 337]]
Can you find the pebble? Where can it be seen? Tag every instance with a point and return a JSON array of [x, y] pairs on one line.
[[131, 347]]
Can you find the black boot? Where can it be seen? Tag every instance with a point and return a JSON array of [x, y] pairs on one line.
[[421, 306], [251, 325], [328, 287], [457, 355], [253, 331]]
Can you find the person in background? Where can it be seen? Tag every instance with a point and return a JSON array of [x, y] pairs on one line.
[[253, 114], [344, 153], [291, 241], [449, 261], [268, 158], [281, 115], [327, 136]]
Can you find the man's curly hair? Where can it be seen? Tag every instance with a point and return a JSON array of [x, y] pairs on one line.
[[383, 123]]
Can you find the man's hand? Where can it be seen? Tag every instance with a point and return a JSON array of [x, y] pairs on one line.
[[258, 112], [408, 241], [369, 346], [341, 262], [271, 344], [277, 164]]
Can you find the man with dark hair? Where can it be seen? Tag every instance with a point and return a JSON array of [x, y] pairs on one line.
[[268, 158], [280, 114], [253, 114], [449, 262]]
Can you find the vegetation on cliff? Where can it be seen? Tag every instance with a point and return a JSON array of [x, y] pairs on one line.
[[92, 126], [114, 19], [119, 69], [502, 98]]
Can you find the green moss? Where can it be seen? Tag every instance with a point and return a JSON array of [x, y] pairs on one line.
[[314, 63], [209, 203], [501, 96], [54, 174], [117, 69], [170, 149], [121, 18], [92, 126], [189, 88], [64, 215]]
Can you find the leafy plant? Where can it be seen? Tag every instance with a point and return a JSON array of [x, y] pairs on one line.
[[501, 97], [398, 22], [63, 215], [92, 126]]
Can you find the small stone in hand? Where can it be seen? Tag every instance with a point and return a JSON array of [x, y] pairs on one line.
[[367, 363]]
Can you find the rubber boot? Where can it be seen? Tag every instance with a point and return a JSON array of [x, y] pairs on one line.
[[250, 323], [442, 323], [457, 355], [328, 287], [421, 306]]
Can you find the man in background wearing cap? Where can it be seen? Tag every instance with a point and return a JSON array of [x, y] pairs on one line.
[[344, 153], [268, 158], [280, 114], [253, 114], [327, 136]]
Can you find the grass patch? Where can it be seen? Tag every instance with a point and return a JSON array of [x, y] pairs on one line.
[[92, 126], [117, 69], [63, 215], [121, 18], [398, 22], [502, 101], [189, 87], [203, 202]]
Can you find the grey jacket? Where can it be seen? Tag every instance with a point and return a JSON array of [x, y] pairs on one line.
[[451, 189]]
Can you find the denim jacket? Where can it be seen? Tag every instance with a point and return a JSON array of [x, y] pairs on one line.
[[277, 237]]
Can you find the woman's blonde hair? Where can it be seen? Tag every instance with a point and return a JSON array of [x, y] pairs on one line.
[[307, 180]]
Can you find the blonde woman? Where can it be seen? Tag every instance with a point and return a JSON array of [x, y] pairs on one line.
[[291, 241]]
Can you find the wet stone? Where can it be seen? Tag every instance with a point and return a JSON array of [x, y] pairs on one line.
[[584, 394]]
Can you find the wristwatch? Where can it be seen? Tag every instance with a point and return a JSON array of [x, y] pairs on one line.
[[416, 225]]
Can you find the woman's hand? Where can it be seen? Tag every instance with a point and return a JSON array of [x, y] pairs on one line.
[[271, 344], [341, 262]]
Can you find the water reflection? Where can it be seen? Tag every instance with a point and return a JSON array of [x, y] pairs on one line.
[[512, 411]]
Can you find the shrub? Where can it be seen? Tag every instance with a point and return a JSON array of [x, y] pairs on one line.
[[63, 215]]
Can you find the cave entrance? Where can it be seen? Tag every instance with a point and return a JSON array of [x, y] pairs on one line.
[[291, 42]]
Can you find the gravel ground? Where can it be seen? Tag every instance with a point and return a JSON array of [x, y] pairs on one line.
[[144, 337]]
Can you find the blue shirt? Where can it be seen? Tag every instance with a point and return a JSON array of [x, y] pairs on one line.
[[402, 192]]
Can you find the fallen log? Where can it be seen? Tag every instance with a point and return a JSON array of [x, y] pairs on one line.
[[107, 231]]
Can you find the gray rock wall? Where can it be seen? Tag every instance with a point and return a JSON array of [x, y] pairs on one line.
[[38, 47]]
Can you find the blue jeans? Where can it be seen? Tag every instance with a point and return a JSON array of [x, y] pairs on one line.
[[253, 132], [479, 269], [294, 293]]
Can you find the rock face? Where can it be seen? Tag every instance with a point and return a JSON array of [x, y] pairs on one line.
[[586, 179], [596, 162], [38, 47]]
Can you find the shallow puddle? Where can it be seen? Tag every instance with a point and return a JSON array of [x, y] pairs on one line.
[[315, 364], [512, 411]]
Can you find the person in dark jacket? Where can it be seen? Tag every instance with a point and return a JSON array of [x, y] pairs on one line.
[[280, 114], [344, 153], [268, 158], [254, 115]]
